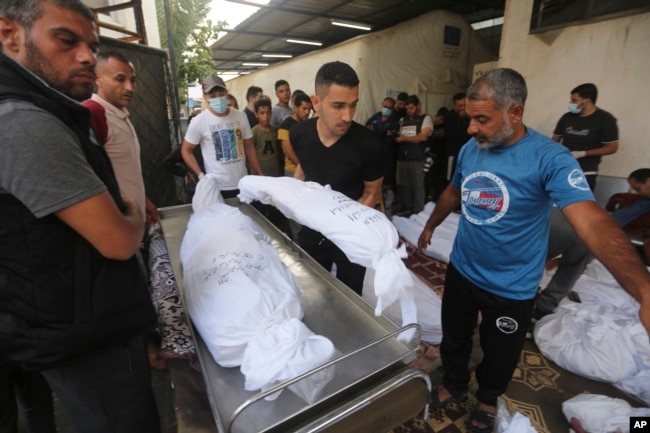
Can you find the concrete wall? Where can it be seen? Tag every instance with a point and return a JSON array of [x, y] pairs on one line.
[[408, 57], [613, 54]]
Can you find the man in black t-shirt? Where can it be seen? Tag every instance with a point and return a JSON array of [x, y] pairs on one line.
[[589, 132], [333, 150], [253, 94], [456, 124]]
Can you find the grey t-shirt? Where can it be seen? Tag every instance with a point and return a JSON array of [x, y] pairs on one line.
[[42, 163], [278, 114]]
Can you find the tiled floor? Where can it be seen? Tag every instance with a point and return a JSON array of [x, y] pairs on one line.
[[164, 397]]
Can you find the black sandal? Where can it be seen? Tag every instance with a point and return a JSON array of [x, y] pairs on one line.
[[436, 403], [479, 415]]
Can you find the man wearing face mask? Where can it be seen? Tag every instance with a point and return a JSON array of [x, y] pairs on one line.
[[225, 137], [386, 125], [588, 131]]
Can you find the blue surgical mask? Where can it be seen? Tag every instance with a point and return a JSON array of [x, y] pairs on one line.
[[573, 108], [386, 111], [220, 104]]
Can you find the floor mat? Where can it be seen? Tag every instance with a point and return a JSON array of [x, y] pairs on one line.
[[537, 390], [429, 270]]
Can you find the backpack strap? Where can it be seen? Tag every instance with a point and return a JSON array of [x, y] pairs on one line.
[[97, 120]]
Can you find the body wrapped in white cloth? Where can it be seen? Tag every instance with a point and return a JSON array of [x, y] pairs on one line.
[[243, 300], [443, 237], [600, 337], [365, 235]]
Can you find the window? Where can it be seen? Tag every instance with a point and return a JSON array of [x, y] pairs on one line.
[[552, 14]]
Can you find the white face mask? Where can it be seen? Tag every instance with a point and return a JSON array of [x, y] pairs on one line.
[[220, 104], [573, 108]]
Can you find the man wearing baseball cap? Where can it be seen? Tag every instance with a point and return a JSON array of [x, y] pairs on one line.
[[225, 137]]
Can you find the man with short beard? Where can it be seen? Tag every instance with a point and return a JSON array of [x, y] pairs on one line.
[[116, 84], [73, 302], [334, 150], [507, 178]]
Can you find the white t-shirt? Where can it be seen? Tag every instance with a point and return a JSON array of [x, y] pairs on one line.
[[222, 144]]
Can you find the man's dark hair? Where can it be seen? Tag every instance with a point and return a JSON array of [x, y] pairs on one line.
[[459, 96], [300, 99], [640, 175], [442, 111], [280, 83], [296, 93], [587, 90], [388, 98], [412, 99], [262, 102], [338, 73], [103, 56], [402, 96], [253, 91], [26, 12]]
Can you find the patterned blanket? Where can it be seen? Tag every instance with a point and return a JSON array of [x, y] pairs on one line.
[[175, 334]]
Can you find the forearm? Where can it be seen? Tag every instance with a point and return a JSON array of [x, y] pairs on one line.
[[299, 174], [252, 159], [605, 149], [116, 235], [188, 157], [446, 204], [606, 240], [287, 148], [420, 138], [371, 193]]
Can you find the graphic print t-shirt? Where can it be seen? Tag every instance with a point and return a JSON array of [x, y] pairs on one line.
[[506, 198], [222, 144]]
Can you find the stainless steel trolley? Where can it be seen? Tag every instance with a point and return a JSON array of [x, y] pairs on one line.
[[371, 389]]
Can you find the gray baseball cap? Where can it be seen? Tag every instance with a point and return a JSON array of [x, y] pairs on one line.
[[212, 81]]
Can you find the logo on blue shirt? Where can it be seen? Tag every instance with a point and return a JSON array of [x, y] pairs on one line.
[[578, 180], [485, 198]]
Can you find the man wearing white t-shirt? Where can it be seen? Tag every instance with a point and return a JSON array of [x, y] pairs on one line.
[[225, 137]]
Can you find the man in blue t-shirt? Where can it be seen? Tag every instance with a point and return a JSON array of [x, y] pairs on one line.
[[507, 179]]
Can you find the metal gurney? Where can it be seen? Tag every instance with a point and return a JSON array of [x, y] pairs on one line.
[[371, 389]]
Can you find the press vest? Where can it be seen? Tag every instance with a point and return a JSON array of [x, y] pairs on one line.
[[407, 151]]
